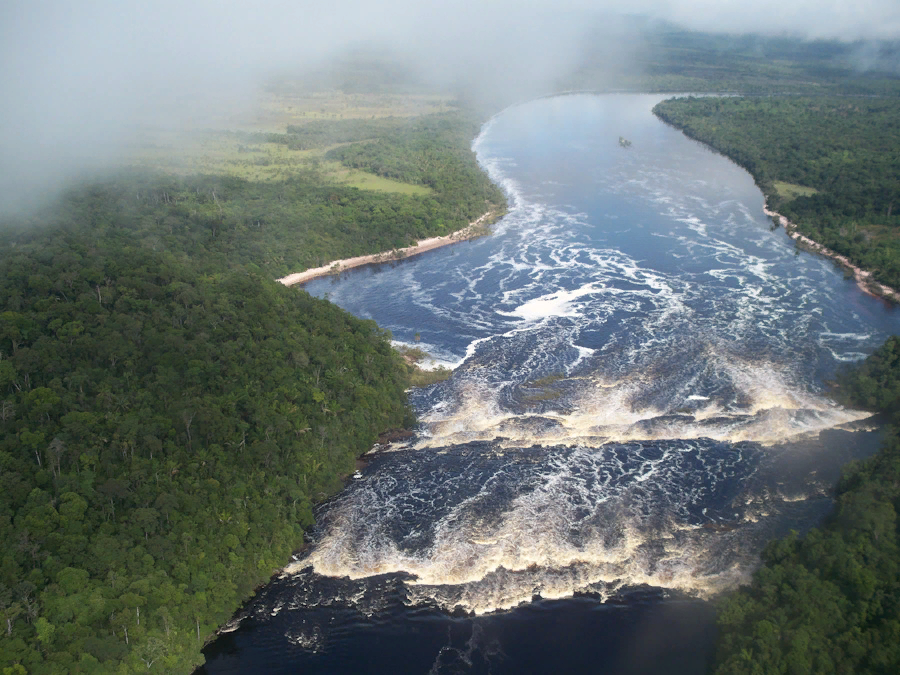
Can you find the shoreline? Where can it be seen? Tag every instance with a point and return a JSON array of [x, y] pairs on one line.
[[471, 231], [862, 277]]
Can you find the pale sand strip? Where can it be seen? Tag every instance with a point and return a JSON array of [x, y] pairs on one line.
[[863, 277], [338, 266]]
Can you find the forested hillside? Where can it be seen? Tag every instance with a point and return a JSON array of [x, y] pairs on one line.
[[830, 602], [831, 165], [165, 433], [168, 413]]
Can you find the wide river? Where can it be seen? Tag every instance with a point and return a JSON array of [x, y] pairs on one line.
[[638, 404]]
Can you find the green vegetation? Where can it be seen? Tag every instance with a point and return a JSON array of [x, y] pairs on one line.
[[668, 58], [168, 413], [419, 377], [875, 384], [305, 219], [166, 428], [830, 602], [789, 191], [367, 181], [845, 152], [256, 157], [416, 375], [431, 151]]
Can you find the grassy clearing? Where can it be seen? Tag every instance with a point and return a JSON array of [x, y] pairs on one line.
[[369, 181], [792, 190], [286, 105], [233, 144], [220, 153], [232, 154]]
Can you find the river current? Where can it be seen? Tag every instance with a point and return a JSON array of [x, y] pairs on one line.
[[638, 404]]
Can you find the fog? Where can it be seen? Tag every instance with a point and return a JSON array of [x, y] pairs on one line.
[[78, 78]]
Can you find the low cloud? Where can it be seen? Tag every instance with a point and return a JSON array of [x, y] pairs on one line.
[[77, 77]]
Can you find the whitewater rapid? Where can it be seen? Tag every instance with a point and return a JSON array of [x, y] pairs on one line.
[[639, 395]]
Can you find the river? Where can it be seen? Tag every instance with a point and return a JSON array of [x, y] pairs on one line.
[[638, 404]]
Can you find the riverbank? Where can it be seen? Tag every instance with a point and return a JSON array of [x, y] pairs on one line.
[[780, 142], [476, 228], [862, 277]]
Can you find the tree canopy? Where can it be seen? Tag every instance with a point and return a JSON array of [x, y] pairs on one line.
[[829, 602], [165, 433]]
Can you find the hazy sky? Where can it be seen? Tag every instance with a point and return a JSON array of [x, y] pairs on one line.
[[75, 76]]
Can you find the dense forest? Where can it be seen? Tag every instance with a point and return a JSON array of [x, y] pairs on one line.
[[830, 602], [169, 414], [830, 165], [165, 433]]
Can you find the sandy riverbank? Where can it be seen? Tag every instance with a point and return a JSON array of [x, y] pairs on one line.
[[474, 229], [863, 277]]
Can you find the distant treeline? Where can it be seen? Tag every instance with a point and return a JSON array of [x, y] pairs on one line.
[[678, 60], [839, 156], [830, 602]]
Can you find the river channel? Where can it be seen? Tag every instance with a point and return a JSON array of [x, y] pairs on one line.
[[638, 403]]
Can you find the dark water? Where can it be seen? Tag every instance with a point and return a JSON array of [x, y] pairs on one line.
[[637, 407]]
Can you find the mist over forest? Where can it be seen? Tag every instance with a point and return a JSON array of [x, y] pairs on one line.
[[80, 81], [173, 419]]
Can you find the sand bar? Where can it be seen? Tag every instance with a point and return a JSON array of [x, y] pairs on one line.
[[474, 229]]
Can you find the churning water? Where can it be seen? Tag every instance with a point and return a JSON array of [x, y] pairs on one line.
[[637, 406]]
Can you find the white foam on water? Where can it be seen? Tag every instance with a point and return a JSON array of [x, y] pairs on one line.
[[584, 353], [559, 303], [711, 340], [761, 404], [845, 336], [572, 529], [847, 357]]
